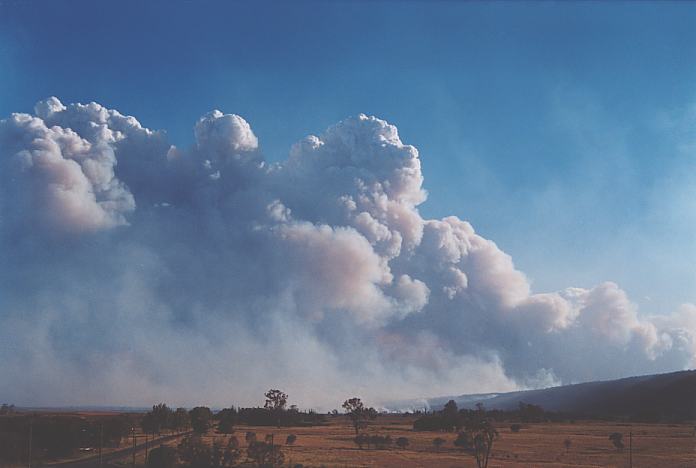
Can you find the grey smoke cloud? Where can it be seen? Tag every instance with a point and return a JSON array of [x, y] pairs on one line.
[[133, 271]]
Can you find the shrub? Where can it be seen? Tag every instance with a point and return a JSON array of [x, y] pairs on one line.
[[265, 454], [463, 441], [379, 441], [290, 439], [402, 442], [438, 442], [617, 439]]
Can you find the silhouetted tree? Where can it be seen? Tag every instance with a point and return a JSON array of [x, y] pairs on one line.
[[402, 442], [478, 437], [149, 424], [201, 418], [268, 417], [450, 415], [162, 415], [226, 426], [450, 407], [228, 419], [275, 402], [181, 419], [359, 414]]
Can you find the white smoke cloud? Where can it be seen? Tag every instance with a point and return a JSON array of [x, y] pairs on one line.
[[59, 181], [133, 271]]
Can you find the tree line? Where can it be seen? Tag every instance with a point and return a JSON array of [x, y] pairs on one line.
[[60, 436], [452, 419], [47, 437]]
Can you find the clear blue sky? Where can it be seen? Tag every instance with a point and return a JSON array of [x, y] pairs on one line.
[[563, 131]]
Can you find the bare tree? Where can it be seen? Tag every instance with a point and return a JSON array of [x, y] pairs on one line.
[[478, 438]]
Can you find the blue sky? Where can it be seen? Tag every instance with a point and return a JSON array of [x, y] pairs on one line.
[[562, 131]]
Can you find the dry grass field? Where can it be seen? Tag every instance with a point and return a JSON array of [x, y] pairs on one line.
[[536, 445]]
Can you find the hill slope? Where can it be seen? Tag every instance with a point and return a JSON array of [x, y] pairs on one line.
[[661, 397]]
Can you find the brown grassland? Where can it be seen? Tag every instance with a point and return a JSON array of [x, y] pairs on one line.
[[536, 445]]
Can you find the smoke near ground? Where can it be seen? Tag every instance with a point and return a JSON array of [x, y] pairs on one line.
[[133, 271]]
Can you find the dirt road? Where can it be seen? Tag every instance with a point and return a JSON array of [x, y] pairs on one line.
[[109, 458]]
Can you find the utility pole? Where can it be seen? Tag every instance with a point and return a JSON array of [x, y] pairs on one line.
[[133, 429], [146, 447], [31, 430], [101, 442]]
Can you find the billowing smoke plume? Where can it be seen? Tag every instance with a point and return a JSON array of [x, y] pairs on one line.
[[133, 271]]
